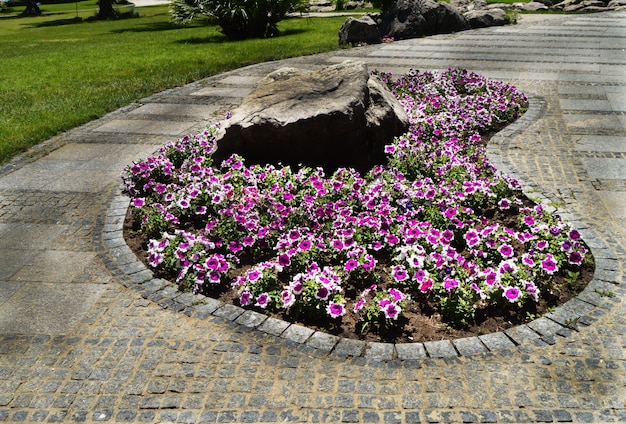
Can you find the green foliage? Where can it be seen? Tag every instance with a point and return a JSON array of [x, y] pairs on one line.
[[340, 4], [239, 19], [383, 5], [511, 16], [605, 293]]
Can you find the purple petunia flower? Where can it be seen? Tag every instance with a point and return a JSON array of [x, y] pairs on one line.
[[155, 259], [370, 263], [322, 293], [336, 310], [304, 245], [575, 258], [337, 244], [504, 204], [160, 188], [284, 260], [212, 263], [245, 298], [491, 277], [549, 264], [426, 285], [235, 246], [506, 251], [512, 294], [399, 273], [391, 311], [287, 298], [420, 275], [574, 234], [376, 245], [262, 300], [450, 283], [358, 305], [253, 275], [529, 220], [296, 287], [351, 264], [397, 295]]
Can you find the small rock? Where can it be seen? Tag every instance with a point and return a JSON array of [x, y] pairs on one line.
[[416, 18], [486, 18], [355, 31]]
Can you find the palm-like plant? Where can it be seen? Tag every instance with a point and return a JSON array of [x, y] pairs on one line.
[[238, 19]]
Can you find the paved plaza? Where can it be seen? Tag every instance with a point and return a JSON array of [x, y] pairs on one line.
[[88, 335]]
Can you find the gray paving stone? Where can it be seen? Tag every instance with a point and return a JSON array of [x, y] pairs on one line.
[[297, 333], [545, 326], [564, 317], [409, 351], [63, 306], [322, 341], [274, 326], [496, 341], [469, 346], [521, 333], [601, 143], [251, 319], [175, 109], [379, 351], [349, 347], [605, 168], [440, 349]]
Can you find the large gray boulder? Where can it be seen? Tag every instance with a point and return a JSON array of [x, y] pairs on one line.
[[532, 6], [417, 18], [339, 116], [362, 30], [486, 18]]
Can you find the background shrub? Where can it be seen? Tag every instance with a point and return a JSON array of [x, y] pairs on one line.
[[238, 19]]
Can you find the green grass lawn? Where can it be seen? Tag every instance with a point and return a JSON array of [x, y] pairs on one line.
[[59, 72], [59, 8]]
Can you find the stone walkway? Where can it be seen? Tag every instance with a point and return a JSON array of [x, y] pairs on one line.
[[87, 335]]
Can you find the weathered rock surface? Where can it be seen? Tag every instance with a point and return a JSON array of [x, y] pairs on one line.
[[532, 6], [362, 30], [416, 18], [339, 116], [540, 5], [563, 5], [486, 18]]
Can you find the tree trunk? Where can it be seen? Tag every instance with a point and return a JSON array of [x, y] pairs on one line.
[[32, 8], [106, 10]]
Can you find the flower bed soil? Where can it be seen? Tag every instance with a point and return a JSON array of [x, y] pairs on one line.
[[341, 253], [420, 321]]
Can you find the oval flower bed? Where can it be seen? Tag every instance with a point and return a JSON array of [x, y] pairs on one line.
[[435, 243]]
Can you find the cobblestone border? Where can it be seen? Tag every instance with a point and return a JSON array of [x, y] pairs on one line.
[[565, 320]]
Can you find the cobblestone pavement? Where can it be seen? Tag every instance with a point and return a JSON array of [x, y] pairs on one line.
[[87, 335]]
